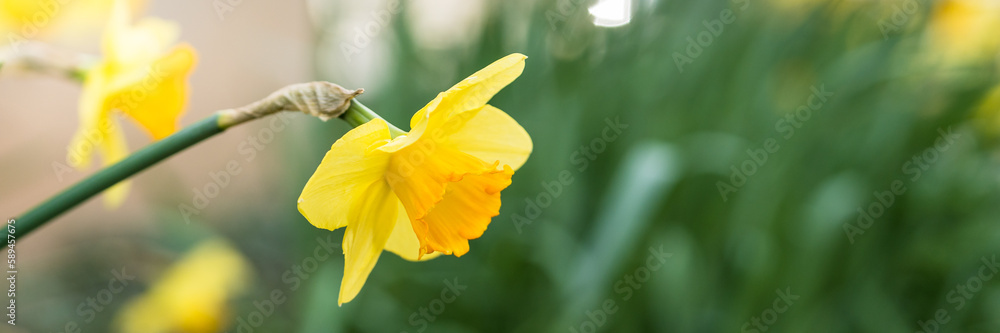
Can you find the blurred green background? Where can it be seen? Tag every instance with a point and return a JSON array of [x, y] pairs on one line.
[[820, 107]]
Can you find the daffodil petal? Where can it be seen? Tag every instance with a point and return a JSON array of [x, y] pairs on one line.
[[473, 92], [492, 135], [403, 241], [372, 218], [95, 121], [114, 149], [98, 131], [115, 195], [351, 165], [133, 45], [155, 96], [450, 109]]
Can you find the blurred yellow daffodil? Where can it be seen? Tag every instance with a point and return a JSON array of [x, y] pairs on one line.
[[143, 76], [425, 192], [22, 20], [965, 30], [988, 112], [191, 296]]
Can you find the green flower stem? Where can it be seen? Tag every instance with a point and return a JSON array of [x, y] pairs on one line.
[[111, 175], [358, 114], [321, 99]]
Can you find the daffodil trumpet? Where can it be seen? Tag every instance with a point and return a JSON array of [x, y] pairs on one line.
[[323, 100]]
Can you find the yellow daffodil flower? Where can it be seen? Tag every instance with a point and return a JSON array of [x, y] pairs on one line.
[[143, 76], [192, 295], [426, 192], [965, 30], [22, 20]]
